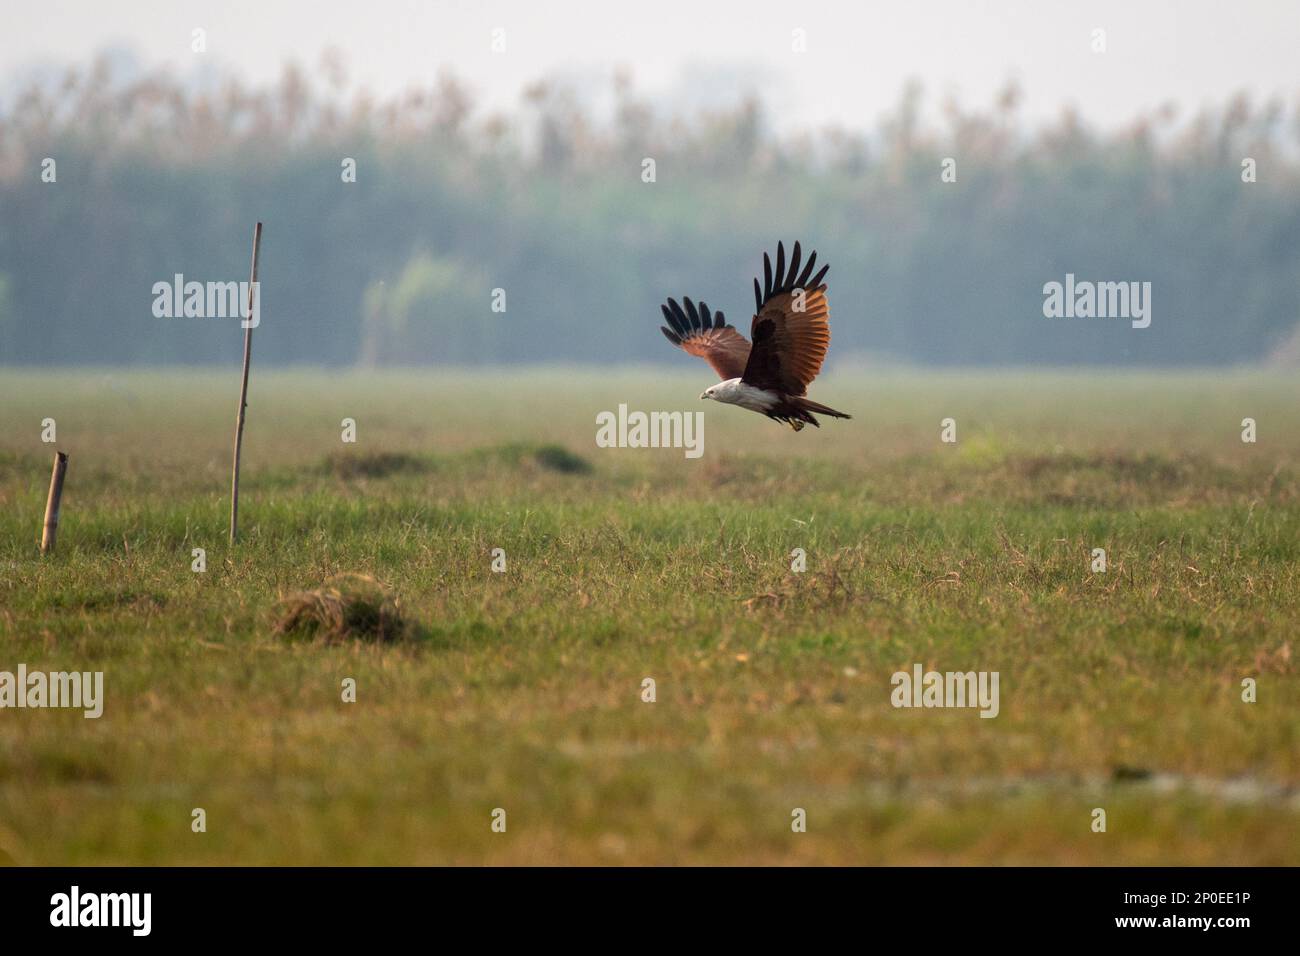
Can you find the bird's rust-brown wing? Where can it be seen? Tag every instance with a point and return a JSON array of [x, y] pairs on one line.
[[791, 327], [706, 334]]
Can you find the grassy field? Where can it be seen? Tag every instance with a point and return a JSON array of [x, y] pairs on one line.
[[522, 690]]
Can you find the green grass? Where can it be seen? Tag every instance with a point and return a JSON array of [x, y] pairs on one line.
[[522, 690]]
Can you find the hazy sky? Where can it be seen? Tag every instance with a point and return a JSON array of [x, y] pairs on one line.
[[696, 52]]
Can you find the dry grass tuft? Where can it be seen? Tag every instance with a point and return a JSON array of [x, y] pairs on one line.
[[348, 607]]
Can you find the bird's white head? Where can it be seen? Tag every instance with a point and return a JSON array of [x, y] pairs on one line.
[[728, 392]]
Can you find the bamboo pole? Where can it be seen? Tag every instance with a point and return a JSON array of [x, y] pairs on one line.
[[51, 529], [243, 387]]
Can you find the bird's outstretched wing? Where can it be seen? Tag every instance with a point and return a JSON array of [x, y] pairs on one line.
[[791, 328], [706, 334]]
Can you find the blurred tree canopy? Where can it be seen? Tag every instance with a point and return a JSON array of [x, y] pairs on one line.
[[153, 178], [425, 315]]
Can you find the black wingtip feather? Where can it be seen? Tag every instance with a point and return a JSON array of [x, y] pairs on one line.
[[668, 316], [692, 312], [671, 336], [672, 319], [807, 271], [683, 323], [782, 279]]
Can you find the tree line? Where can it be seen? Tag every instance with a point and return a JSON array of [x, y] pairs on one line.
[[421, 229]]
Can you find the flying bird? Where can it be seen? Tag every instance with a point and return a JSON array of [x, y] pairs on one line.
[[791, 334]]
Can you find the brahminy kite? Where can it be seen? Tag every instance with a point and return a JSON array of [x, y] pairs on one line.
[[791, 334]]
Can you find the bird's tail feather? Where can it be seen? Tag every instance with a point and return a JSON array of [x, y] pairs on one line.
[[808, 405]]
